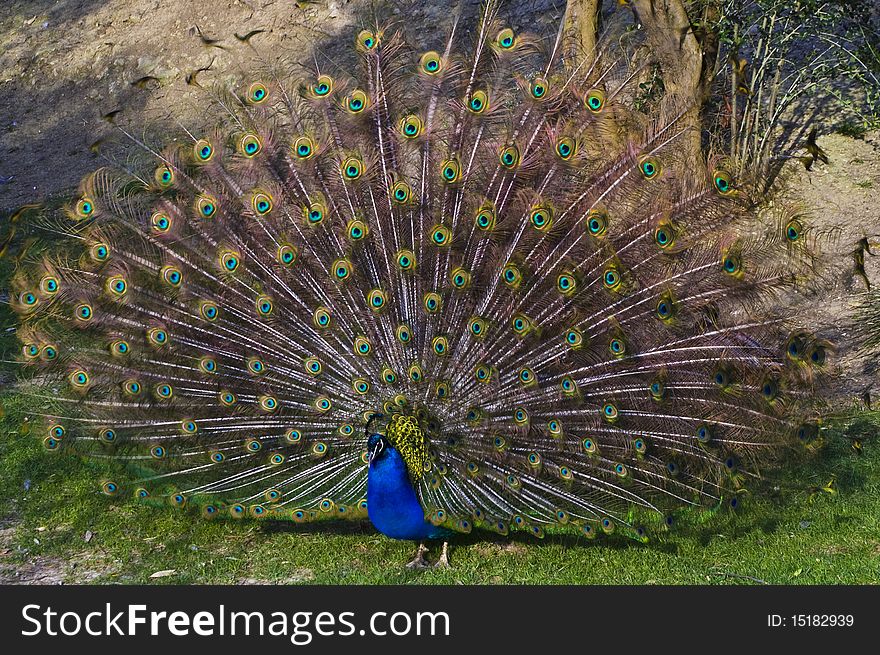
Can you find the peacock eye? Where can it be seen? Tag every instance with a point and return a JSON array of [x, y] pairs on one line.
[[595, 100], [250, 145], [356, 102], [411, 126], [84, 207], [478, 102], [723, 182], [509, 157], [322, 86], [538, 88], [506, 39], [366, 41], [649, 168], [450, 171], [257, 93], [611, 279], [431, 63]]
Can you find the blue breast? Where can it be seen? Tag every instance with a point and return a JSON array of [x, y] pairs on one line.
[[392, 504]]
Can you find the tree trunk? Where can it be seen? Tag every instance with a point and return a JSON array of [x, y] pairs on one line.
[[582, 21]]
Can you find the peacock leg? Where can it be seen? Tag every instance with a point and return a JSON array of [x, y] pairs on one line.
[[443, 562], [419, 561]]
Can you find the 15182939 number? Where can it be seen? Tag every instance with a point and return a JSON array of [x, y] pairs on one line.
[[811, 621]]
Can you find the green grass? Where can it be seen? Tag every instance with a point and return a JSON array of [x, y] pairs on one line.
[[785, 532]]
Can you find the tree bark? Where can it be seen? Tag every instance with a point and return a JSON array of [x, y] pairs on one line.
[[687, 58], [582, 21]]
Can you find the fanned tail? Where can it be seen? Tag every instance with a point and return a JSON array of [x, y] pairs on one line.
[[509, 245]]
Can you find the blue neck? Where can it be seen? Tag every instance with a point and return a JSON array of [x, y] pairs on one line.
[[392, 503]]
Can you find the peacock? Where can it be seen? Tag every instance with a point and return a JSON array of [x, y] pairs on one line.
[[484, 284]]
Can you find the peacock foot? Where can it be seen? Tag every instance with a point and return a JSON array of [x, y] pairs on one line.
[[419, 562], [443, 562]]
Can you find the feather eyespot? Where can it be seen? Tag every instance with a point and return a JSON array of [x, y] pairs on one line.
[[357, 230], [261, 202], [431, 63], [287, 254], [342, 270], [597, 223], [649, 167], [356, 102], [432, 302], [303, 147], [362, 346], [416, 374], [209, 310], [406, 260], [321, 318], [164, 176], [664, 236], [450, 171], [322, 87], [160, 222], [403, 334], [79, 379], [99, 253], [485, 219], [257, 93], [265, 306], [85, 207], [389, 376], [478, 102], [315, 213], [541, 218], [509, 157], [538, 88], [206, 206], [401, 193], [460, 278], [477, 327], [268, 403], [522, 325], [172, 276], [794, 230], [411, 126], [611, 279], [595, 100], [566, 283], [49, 285], [441, 235], [506, 39], [731, 264], [377, 300], [566, 148], [250, 146], [723, 182], [203, 151], [352, 169], [366, 41], [116, 286]]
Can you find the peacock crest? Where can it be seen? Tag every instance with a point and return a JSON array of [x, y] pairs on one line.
[[503, 248]]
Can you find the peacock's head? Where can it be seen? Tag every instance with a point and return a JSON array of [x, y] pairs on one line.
[[377, 447], [402, 434]]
